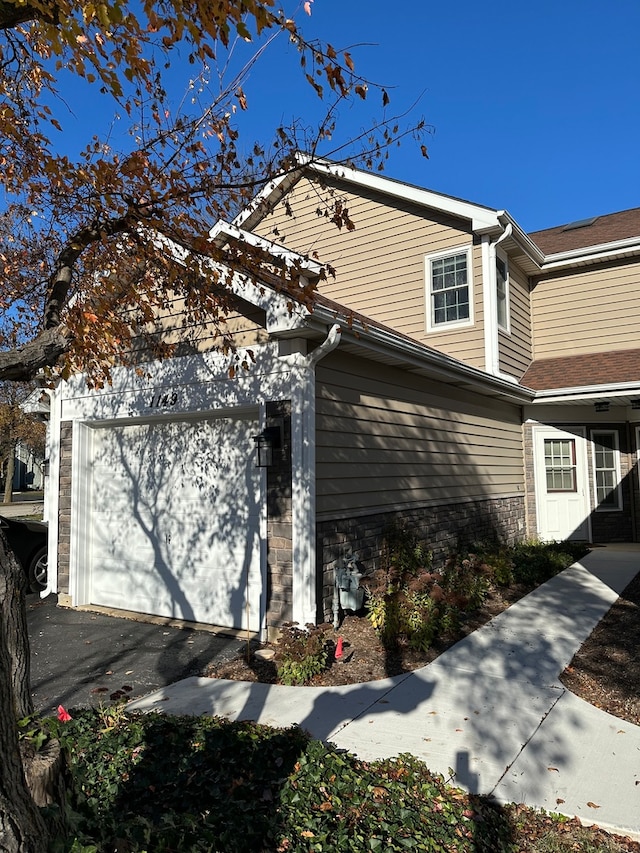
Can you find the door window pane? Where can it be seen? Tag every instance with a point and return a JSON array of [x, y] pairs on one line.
[[560, 464]]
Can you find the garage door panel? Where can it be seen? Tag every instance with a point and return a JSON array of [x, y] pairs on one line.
[[175, 520]]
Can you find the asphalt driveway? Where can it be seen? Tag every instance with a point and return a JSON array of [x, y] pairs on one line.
[[81, 658]]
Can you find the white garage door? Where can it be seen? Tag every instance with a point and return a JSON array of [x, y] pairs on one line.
[[175, 519]]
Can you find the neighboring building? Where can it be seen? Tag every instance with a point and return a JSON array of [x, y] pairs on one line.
[[457, 375], [27, 473]]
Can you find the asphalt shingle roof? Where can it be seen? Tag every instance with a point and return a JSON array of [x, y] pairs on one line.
[[604, 229], [575, 371]]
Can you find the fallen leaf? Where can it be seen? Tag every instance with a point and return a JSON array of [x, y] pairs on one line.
[[129, 672], [592, 805], [553, 768], [559, 800]]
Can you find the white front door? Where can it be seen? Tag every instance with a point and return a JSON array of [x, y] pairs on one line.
[[174, 515], [562, 492]]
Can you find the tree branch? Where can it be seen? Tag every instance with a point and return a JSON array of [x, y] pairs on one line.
[[23, 363]]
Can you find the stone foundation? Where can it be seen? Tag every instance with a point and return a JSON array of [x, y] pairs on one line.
[[442, 529], [279, 520]]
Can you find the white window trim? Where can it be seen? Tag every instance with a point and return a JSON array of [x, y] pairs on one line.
[[505, 260], [618, 491], [437, 256]]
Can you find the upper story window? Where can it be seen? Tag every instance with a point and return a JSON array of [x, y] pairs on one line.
[[449, 279], [502, 292]]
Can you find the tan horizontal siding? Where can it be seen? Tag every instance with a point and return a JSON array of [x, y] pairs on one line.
[[588, 311], [380, 267], [246, 328], [515, 348], [388, 438]]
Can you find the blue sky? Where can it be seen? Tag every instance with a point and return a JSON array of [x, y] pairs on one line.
[[535, 107]]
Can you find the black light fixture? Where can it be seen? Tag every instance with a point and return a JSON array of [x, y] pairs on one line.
[[601, 406], [635, 404], [269, 440]]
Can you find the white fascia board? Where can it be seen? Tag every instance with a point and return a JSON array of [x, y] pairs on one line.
[[586, 392], [223, 230], [269, 195], [593, 254], [522, 238], [481, 218]]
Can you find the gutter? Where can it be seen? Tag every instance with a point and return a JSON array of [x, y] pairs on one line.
[[593, 254], [586, 392], [442, 366]]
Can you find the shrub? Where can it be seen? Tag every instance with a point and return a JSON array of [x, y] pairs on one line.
[[400, 605], [534, 562], [408, 603], [301, 653]]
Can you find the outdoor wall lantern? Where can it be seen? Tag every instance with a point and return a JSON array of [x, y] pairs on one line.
[[269, 440], [635, 404], [602, 406]]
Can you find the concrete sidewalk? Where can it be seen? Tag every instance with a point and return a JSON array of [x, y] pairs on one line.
[[491, 710]]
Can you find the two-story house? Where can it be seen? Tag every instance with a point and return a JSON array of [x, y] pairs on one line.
[[455, 374]]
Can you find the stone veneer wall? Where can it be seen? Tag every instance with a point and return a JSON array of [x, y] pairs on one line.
[[279, 520], [442, 528], [64, 506]]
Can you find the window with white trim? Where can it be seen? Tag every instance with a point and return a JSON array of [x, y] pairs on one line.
[[449, 280], [502, 292], [606, 469]]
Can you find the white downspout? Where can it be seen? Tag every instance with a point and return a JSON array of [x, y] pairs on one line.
[[52, 490], [490, 301], [303, 520]]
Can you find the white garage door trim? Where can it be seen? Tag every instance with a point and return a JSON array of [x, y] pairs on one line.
[[89, 436]]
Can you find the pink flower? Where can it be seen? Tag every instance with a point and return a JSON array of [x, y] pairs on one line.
[[63, 715]]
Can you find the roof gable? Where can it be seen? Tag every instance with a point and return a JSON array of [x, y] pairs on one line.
[[482, 219]]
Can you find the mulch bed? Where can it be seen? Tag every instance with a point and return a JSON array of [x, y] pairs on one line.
[[605, 671], [365, 658]]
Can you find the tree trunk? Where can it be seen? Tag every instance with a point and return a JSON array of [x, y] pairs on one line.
[[13, 627], [22, 829], [8, 483]]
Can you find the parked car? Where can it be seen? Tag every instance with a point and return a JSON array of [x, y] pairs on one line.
[[28, 539]]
